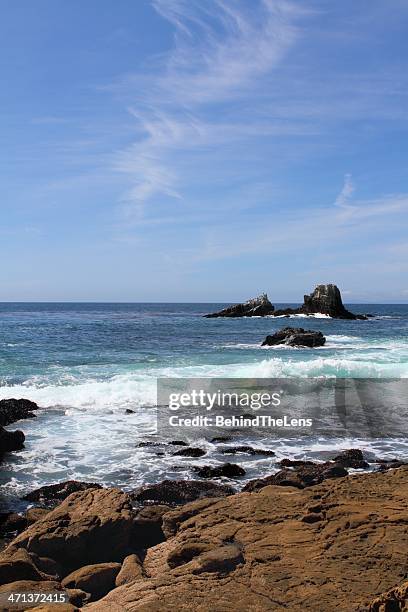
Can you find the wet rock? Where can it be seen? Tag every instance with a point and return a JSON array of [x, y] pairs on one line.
[[52, 495], [227, 470], [12, 410], [189, 452], [10, 441], [389, 464], [97, 579], [218, 439], [295, 336], [147, 444], [131, 570], [91, 526], [257, 307], [295, 463], [178, 443], [300, 477], [129, 411], [351, 458], [174, 492], [247, 450]]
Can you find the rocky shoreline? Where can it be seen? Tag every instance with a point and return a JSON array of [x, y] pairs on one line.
[[308, 537], [335, 542]]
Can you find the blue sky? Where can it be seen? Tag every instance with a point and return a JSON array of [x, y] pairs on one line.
[[203, 150]]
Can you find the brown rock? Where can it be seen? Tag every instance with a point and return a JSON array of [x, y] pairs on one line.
[[97, 579], [16, 564], [93, 526], [147, 526], [394, 600], [25, 587], [51, 495], [254, 551], [35, 514], [131, 570]]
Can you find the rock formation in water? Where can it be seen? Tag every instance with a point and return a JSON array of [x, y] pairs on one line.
[[325, 299], [295, 336], [257, 307]]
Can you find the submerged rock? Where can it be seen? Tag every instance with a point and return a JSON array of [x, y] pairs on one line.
[[257, 307], [246, 450], [189, 452], [227, 470], [176, 492], [295, 336]]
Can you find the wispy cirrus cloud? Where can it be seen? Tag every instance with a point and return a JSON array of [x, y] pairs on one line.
[[222, 51]]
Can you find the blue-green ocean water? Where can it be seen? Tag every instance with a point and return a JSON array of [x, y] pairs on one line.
[[85, 364]]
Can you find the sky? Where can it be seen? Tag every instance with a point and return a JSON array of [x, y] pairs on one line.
[[203, 150]]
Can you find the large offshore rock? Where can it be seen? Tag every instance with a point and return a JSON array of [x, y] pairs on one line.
[[326, 300], [257, 307]]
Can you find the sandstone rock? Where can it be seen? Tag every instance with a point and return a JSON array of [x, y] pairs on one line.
[[16, 564], [227, 470], [287, 563], [10, 441], [189, 452], [295, 336], [351, 458], [257, 307], [147, 526], [131, 570], [56, 608], [394, 600], [175, 492], [12, 410], [97, 579], [25, 587], [92, 526], [35, 514], [246, 450], [51, 495]]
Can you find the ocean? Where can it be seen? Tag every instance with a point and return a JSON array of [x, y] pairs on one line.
[[85, 364]]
